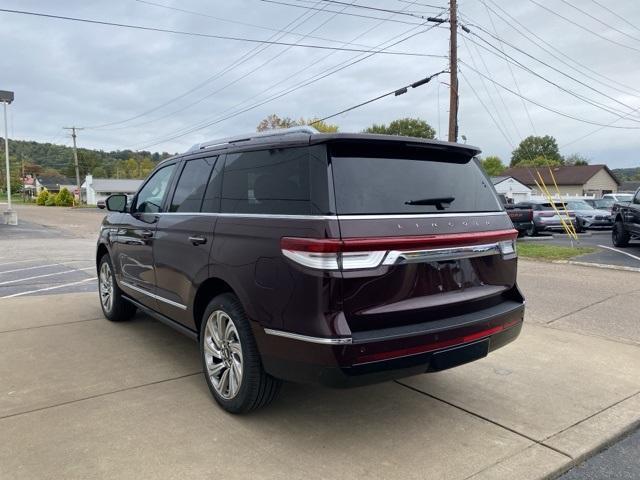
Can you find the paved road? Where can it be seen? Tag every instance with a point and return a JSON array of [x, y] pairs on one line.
[[619, 462]]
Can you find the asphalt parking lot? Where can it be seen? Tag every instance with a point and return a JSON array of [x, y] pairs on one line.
[[85, 398]]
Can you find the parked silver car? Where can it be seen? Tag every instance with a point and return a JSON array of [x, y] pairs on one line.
[[588, 216], [545, 217]]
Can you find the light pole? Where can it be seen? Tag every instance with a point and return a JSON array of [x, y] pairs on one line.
[[10, 217]]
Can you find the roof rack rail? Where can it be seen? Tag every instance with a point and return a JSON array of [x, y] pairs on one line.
[[250, 136]]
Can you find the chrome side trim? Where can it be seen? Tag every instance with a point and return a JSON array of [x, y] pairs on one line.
[[305, 338], [338, 217], [153, 295], [438, 254]]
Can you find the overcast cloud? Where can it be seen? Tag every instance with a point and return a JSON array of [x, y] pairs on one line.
[[68, 73]]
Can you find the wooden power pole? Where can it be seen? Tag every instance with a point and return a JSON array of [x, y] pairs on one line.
[[453, 69], [75, 159]]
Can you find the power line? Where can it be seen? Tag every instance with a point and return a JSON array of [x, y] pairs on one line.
[[599, 20], [232, 66], [419, 4], [396, 92], [620, 17], [350, 14], [584, 28], [513, 77], [550, 46], [548, 66], [385, 10], [283, 92], [545, 107], [233, 82], [204, 35]]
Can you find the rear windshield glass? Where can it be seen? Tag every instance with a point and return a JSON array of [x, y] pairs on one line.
[[395, 185]]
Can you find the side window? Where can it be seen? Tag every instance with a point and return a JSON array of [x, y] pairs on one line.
[[191, 185], [151, 194], [272, 181]]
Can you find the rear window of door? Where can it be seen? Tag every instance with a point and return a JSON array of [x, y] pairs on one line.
[[284, 181], [192, 184], [431, 183]]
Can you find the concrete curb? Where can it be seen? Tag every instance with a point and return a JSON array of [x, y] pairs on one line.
[[535, 239], [598, 265]]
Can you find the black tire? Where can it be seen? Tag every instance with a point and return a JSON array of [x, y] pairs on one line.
[[119, 310], [531, 231], [619, 235], [579, 226], [256, 388]]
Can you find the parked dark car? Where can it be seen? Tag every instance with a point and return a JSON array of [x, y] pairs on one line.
[[338, 259], [521, 217], [627, 221], [545, 217]]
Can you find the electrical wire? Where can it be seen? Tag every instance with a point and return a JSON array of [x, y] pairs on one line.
[[232, 66], [396, 92], [204, 35], [545, 107], [599, 20], [286, 91], [245, 24], [350, 14], [585, 28], [519, 64], [512, 20], [620, 17], [385, 10]]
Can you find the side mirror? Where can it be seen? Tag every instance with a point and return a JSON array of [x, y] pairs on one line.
[[116, 203]]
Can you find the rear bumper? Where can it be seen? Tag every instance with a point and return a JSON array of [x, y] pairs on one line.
[[389, 354]]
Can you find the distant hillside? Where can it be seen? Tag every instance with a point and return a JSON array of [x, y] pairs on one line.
[[47, 159], [627, 173]]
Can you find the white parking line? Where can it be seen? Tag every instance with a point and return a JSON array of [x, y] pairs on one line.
[[49, 288], [9, 282], [20, 261], [620, 251], [40, 266]]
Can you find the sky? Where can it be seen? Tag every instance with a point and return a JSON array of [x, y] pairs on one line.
[[158, 91]]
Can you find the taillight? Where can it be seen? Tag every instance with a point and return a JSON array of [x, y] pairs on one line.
[[363, 253]]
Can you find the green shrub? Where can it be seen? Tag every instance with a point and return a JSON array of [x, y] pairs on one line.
[[64, 198], [42, 197], [51, 201]]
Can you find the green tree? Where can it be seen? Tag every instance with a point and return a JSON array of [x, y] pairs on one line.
[[42, 198], [273, 122], [576, 159], [406, 127], [64, 198], [539, 161], [492, 166], [532, 147]]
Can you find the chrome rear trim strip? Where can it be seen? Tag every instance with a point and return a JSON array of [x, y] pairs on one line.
[[305, 338], [153, 295], [440, 254]]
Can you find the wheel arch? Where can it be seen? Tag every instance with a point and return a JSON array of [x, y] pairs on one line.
[[207, 290], [100, 251]]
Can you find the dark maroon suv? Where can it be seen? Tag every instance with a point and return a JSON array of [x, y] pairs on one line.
[[339, 259]]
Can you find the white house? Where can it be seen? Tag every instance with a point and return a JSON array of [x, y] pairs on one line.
[[512, 188], [96, 189]]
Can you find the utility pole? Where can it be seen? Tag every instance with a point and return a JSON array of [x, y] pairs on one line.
[[10, 217], [453, 69], [75, 159]]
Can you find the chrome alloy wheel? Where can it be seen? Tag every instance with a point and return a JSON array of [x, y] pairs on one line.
[[223, 354], [106, 287]]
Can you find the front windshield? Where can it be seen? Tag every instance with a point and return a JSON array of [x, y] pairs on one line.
[[624, 197]]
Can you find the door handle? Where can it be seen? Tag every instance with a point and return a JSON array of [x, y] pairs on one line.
[[198, 240], [146, 234]]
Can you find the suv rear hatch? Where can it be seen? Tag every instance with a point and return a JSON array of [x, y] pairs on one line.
[[424, 238]]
